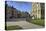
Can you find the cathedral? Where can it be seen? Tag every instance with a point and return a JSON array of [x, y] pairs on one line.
[[38, 10]]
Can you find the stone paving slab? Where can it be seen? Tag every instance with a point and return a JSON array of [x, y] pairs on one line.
[[24, 24]]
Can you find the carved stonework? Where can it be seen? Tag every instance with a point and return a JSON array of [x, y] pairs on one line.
[[36, 10]]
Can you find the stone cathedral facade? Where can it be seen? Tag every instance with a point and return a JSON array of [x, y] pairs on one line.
[[37, 11]]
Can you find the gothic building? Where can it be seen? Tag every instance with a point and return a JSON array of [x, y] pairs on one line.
[[42, 10], [37, 11]]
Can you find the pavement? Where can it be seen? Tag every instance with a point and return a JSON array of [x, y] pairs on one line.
[[23, 24]]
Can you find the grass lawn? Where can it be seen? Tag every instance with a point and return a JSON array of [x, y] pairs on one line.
[[40, 22], [13, 27]]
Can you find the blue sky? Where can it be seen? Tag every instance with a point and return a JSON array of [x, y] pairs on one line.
[[22, 6]]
